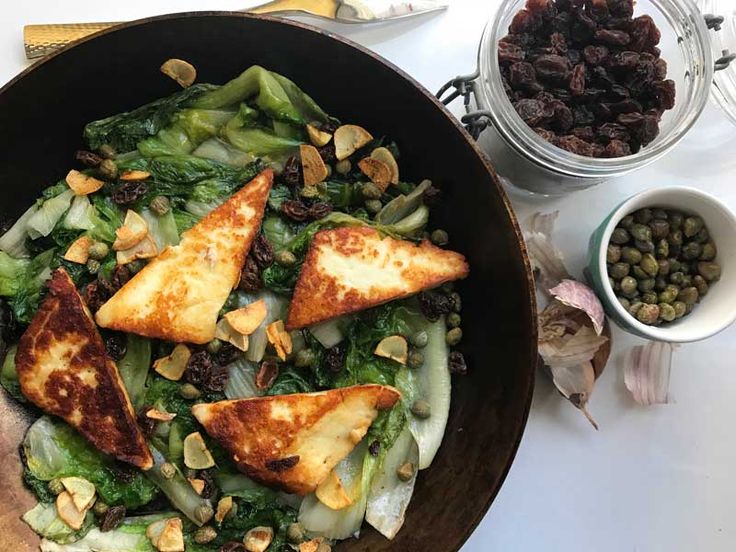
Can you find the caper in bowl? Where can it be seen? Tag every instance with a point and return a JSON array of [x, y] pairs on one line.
[[660, 264]]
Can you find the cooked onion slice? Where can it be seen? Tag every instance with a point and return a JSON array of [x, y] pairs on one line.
[[647, 372]]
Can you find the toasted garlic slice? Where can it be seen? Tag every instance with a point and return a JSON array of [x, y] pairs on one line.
[[385, 156], [394, 347], [318, 137], [181, 71], [81, 183], [78, 251], [349, 139]]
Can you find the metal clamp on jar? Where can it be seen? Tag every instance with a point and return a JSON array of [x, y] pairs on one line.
[[531, 163]]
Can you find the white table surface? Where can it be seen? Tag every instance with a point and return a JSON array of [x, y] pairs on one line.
[[652, 479]]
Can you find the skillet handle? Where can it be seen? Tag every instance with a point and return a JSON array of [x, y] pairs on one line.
[[40, 40]]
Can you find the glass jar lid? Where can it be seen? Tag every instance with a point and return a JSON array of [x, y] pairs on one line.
[[723, 46]]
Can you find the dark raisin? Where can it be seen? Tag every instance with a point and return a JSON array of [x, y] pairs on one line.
[[115, 345], [267, 374], [630, 119], [334, 359], [262, 251], [612, 37], [552, 67], [621, 8], [618, 93], [227, 354], [595, 55], [292, 173], [10, 330], [602, 78], [644, 33], [210, 487], [433, 305], [648, 130], [617, 148], [456, 363], [573, 144], [613, 131], [327, 153], [531, 111], [583, 115], [510, 53], [563, 118], [522, 75], [561, 94], [319, 210], [545, 133], [295, 210], [597, 8], [147, 425], [198, 368], [250, 277], [622, 61], [584, 133], [128, 193], [119, 277], [577, 80], [432, 195], [561, 23], [626, 106], [94, 296], [216, 380], [524, 22], [282, 464], [582, 28], [112, 518], [232, 546], [660, 69], [88, 158], [665, 93], [542, 8], [558, 42], [375, 447]]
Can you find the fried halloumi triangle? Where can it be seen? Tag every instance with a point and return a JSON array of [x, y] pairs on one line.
[[293, 441], [64, 369], [354, 268], [179, 294]]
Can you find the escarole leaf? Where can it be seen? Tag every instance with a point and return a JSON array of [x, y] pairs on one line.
[[22, 281], [133, 367], [44, 519], [9, 374], [53, 449], [125, 130], [43, 221], [13, 242]]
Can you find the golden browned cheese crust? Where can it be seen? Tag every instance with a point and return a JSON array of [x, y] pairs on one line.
[[353, 268], [179, 294], [293, 441], [63, 369]]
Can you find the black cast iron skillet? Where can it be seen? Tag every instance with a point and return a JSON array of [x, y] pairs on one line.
[[43, 111]]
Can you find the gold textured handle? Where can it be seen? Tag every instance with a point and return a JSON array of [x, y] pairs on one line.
[[40, 40]]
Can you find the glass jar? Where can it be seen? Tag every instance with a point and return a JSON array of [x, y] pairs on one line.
[[531, 163], [723, 46]]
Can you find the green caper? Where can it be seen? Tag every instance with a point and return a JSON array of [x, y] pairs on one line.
[[628, 286], [643, 216], [634, 307], [660, 282], [107, 151], [93, 266], [641, 232], [664, 267], [649, 264], [100, 508], [644, 246], [620, 236], [455, 301], [631, 255], [675, 265], [205, 534], [284, 257], [108, 169], [677, 278], [613, 253], [688, 295], [439, 237], [614, 284], [405, 471], [669, 294], [415, 360], [454, 336], [421, 409], [680, 308], [660, 229], [373, 206], [701, 285], [648, 314], [168, 470], [691, 251], [453, 320], [675, 250], [309, 191], [625, 303], [687, 280], [709, 270], [645, 285], [638, 273], [702, 236], [98, 250], [304, 358], [189, 392], [329, 171], [295, 533], [371, 191], [675, 238], [627, 222], [214, 346], [675, 219], [160, 205], [56, 486], [650, 298], [709, 252], [692, 226], [619, 270], [419, 339], [666, 312], [662, 249], [203, 513], [343, 167], [658, 213]]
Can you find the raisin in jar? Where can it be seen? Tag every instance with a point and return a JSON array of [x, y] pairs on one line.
[[530, 163]]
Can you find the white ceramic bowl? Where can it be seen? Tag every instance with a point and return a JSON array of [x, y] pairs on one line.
[[715, 311]]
